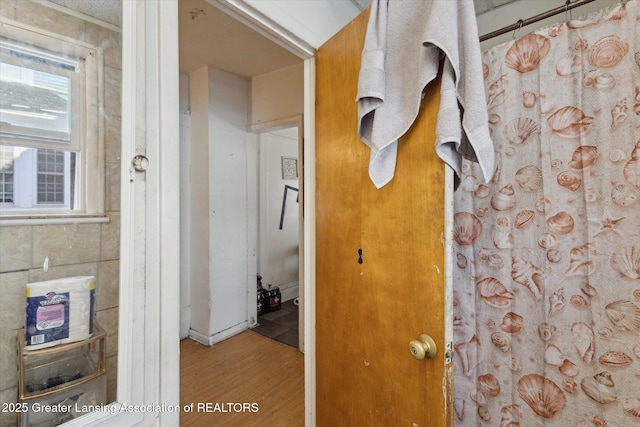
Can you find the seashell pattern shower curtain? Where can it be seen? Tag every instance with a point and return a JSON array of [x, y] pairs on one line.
[[547, 255]]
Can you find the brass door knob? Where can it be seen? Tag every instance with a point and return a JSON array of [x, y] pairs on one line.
[[423, 348]]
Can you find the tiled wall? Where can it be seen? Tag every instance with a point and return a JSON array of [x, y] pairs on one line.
[[482, 6], [72, 249]]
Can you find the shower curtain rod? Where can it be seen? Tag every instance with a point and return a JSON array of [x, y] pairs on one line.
[[523, 22]]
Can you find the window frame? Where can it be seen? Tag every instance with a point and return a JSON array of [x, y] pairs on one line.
[[87, 130], [42, 138]]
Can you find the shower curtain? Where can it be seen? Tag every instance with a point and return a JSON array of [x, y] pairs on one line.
[[547, 255]]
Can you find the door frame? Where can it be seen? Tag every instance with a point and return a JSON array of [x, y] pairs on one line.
[[148, 334], [148, 374], [309, 246], [243, 12], [257, 21], [265, 127]]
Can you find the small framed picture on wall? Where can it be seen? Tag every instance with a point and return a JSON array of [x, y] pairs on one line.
[[289, 168]]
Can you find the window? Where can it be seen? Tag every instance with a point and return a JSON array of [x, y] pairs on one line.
[[49, 127], [37, 178], [6, 174], [54, 177]]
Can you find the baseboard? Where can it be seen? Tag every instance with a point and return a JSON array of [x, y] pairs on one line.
[[229, 332], [289, 291], [201, 338], [218, 336]]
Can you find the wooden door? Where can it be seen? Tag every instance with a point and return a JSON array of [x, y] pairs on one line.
[[367, 313]]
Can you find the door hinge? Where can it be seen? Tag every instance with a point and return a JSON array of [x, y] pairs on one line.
[[448, 355]]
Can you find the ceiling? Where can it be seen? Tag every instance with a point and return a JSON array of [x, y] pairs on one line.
[[106, 10], [210, 37]]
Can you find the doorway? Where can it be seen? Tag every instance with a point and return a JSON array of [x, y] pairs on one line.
[[230, 76], [279, 234]]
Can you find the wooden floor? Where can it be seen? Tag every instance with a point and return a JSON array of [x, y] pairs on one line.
[[247, 380]]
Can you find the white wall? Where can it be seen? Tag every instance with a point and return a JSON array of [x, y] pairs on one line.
[[277, 95], [185, 204], [278, 247], [221, 231], [199, 214], [220, 149], [228, 200]]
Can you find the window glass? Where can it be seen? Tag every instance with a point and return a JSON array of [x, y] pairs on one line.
[[41, 178], [47, 120], [6, 174], [53, 172], [35, 92]]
